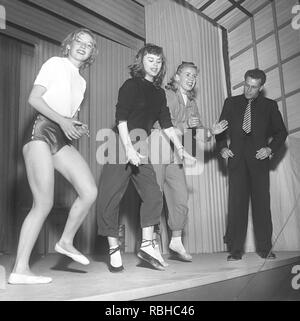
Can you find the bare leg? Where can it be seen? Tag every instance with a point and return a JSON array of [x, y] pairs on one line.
[[74, 168], [40, 173]]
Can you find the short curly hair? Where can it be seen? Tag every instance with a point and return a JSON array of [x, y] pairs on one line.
[[137, 69], [72, 36]]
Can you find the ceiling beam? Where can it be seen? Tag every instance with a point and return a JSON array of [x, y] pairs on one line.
[[207, 4], [144, 2], [127, 14], [235, 5], [238, 5], [56, 18]]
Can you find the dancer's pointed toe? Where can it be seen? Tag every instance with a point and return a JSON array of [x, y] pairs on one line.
[[150, 259], [76, 257], [180, 255]]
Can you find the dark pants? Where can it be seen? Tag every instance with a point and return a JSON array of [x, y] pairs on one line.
[[249, 179], [113, 184]]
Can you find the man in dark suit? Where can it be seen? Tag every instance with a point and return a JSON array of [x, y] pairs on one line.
[[255, 131]]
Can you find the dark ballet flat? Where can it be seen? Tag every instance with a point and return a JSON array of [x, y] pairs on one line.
[[150, 259], [115, 269], [184, 257]]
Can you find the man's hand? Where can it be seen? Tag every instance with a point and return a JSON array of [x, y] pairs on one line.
[[226, 153], [263, 153]]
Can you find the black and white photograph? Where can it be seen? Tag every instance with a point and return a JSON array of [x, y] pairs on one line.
[[150, 153]]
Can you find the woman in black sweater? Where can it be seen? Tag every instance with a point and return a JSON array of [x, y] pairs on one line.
[[141, 102]]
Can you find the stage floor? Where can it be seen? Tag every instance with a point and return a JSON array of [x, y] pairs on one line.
[[72, 281]]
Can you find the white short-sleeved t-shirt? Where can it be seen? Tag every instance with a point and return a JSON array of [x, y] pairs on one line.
[[65, 86]]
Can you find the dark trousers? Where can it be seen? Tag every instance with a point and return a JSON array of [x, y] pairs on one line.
[[249, 179], [113, 183]]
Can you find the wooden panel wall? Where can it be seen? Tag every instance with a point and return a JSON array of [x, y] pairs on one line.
[[55, 19], [186, 36], [26, 113], [10, 59], [127, 13]]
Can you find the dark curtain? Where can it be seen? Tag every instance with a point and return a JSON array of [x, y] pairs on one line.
[[10, 57]]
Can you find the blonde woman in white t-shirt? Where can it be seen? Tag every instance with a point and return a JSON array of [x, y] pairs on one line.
[[56, 95]]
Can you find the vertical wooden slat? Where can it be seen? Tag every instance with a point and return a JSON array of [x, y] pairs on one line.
[[282, 85], [10, 55]]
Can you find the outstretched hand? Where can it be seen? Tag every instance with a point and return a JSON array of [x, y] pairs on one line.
[[218, 128]]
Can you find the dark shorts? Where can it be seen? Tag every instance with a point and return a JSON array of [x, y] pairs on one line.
[[49, 132]]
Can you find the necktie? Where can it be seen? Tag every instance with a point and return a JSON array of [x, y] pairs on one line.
[[247, 118]]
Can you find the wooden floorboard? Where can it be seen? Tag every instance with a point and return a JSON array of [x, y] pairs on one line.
[[72, 281]]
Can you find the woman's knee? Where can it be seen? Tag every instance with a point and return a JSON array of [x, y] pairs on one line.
[[89, 194], [43, 204]]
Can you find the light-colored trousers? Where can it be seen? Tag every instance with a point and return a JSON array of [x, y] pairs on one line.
[[172, 182]]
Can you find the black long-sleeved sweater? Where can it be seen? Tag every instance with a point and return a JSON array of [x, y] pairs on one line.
[[141, 104]]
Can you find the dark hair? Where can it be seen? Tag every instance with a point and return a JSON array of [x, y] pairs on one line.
[[256, 74], [173, 84], [72, 36], [137, 69]]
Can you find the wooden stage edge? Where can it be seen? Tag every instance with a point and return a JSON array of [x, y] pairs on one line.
[[208, 277]]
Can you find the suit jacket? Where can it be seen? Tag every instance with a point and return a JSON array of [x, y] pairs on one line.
[[267, 127]]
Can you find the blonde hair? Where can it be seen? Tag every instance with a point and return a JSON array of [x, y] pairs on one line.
[[71, 37], [173, 84]]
